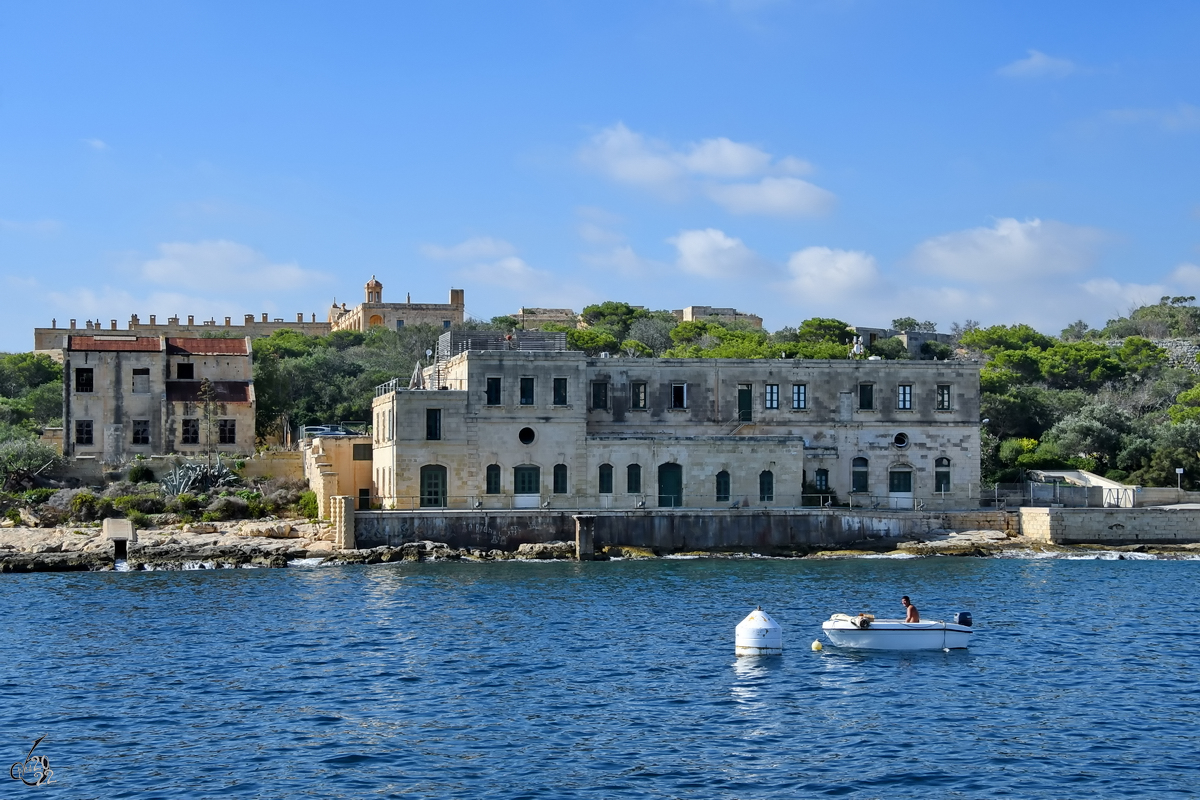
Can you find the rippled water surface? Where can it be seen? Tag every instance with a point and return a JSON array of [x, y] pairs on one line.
[[565, 680]]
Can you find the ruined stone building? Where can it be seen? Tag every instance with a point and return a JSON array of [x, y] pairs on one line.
[[505, 426], [368, 314], [721, 316], [126, 395]]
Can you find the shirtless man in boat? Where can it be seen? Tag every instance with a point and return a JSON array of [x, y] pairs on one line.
[[913, 614]]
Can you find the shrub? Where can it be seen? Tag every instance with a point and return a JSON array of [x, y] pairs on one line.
[[35, 497], [13, 516], [307, 505], [1116, 475], [228, 507], [181, 503], [139, 503], [140, 473], [86, 507], [138, 519]]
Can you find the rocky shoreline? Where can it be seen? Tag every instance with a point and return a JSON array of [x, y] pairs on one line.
[[276, 543]]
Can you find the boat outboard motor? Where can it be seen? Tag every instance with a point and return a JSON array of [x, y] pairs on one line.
[[963, 618]]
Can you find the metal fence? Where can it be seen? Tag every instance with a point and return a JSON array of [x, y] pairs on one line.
[[1053, 495]]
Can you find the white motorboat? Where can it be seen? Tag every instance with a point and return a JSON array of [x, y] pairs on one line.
[[864, 632]]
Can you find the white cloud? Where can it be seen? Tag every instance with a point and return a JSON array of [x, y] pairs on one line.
[[709, 253], [477, 247], [1038, 65], [1009, 250], [95, 144], [628, 157], [824, 274], [723, 158], [1183, 118], [780, 197], [41, 226], [507, 271], [707, 168], [1186, 276], [222, 266]]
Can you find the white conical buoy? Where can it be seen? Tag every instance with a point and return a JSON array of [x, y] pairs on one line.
[[758, 635]]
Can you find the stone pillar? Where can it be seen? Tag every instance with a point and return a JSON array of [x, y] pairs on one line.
[[585, 536], [341, 516]]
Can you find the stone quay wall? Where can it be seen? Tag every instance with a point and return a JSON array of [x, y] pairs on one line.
[[660, 530], [1111, 526]]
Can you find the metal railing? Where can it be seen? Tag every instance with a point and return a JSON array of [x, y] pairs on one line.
[[1032, 494]]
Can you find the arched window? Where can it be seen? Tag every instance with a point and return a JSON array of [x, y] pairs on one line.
[[493, 479], [766, 486], [941, 475], [633, 479], [606, 479], [858, 475], [434, 480], [560, 478], [722, 487]]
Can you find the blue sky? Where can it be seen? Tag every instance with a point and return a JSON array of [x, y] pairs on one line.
[[1002, 162]]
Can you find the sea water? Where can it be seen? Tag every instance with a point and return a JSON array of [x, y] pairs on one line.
[[602, 680]]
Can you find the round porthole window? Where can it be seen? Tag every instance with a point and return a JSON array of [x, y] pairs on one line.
[[526, 435], [900, 440]]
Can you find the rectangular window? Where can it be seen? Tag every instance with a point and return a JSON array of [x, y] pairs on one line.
[[904, 397], [600, 395], [185, 371], [637, 395], [900, 481], [678, 395], [362, 452], [941, 480], [364, 499], [527, 480], [799, 396], [722, 487], [141, 381], [399, 324], [527, 391], [772, 395], [493, 479], [446, 324], [633, 479], [606, 479], [433, 424], [821, 479], [141, 431], [190, 434], [227, 431], [560, 391], [83, 431], [943, 397], [84, 381], [560, 478], [494, 385], [866, 396]]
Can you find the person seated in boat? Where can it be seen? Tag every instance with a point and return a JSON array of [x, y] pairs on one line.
[[913, 615]]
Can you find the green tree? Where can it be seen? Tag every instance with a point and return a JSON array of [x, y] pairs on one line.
[[824, 329], [891, 349], [1079, 365]]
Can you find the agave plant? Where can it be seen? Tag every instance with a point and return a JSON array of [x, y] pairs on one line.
[[191, 478]]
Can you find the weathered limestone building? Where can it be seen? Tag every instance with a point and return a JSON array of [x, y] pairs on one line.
[[718, 315], [125, 395], [523, 428], [375, 312]]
